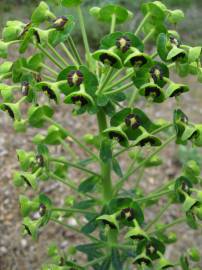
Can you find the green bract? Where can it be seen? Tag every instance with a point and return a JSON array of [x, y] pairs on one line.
[[106, 13], [116, 211], [71, 3]]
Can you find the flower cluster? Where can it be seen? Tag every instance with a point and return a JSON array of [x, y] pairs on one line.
[[106, 83]]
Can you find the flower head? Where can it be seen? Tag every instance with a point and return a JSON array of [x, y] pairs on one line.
[[51, 94], [60, 22], [75, 78], [174, 41], [128, 214], [25, 88], [108, 59], [132, 120], [123, 43], [40, 160], [156, 73]]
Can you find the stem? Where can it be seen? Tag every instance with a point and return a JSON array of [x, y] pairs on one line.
[[74, 166], [68, 149], [106, 80], [149, 35], [142, 23], [71, 210], [77, 141], [175, 222], [76, 230], [124, 78], [162, 128], [67, 183], [49, 56], [159, 215], [95, 261], [73, 187], [105, 167], [133, 98], [154, 54], [121, 182], [113, 24], [36, 72], [116, 74], [49, 69], [154, 196], [84, 35], [171, 65], [68, 53], [120, 89], [139, 178], [74, 49], [57, 54]]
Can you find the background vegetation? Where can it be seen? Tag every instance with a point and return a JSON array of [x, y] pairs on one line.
[[190, 28]]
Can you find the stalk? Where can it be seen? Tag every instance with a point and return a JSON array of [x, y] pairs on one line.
[[141, 25], [120, 89], [124, 78], [53, 50], [150, 34], [49, 56], [113, 23], [68, 53], [84, 35], [74, 50], [141, 164], [105, 167]]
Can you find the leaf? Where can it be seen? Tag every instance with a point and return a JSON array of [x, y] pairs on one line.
[[90, 226], [105, 150], [102, 100], [109, 10], [88, 184], [162, 46], [71, 3], [90, 249], [194, 54], [176, 16], [116, 167]]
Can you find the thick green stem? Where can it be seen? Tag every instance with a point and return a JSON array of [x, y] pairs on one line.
[[113, 23], [84, 35], [142, 23], [105, 167]]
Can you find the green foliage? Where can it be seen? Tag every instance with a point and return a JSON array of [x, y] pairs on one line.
[[103, 83]]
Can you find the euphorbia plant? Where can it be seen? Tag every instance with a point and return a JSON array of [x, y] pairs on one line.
[[105, 84]]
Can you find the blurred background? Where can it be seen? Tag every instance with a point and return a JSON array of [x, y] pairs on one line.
[[21, 253]]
